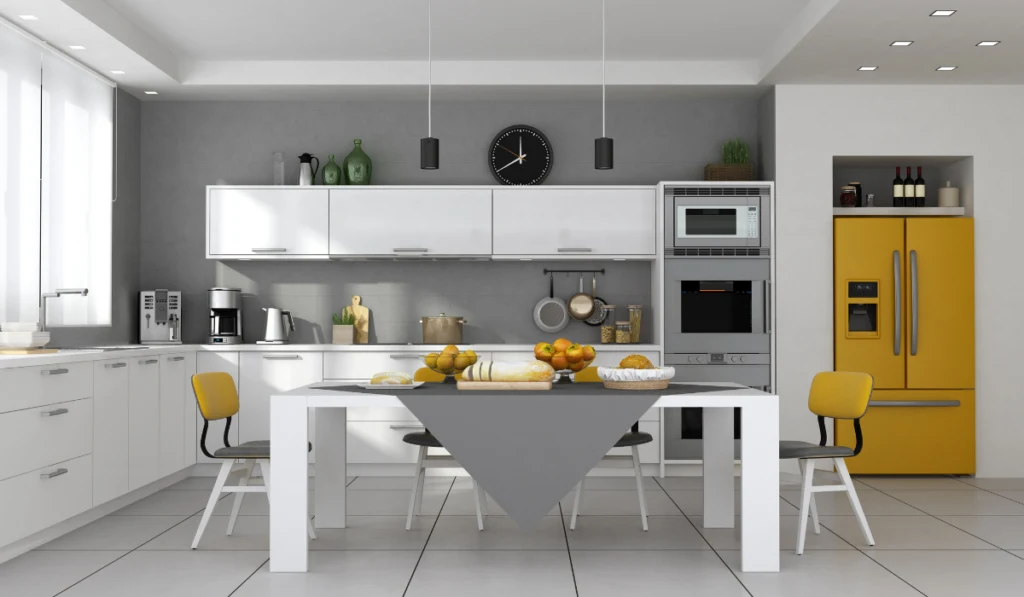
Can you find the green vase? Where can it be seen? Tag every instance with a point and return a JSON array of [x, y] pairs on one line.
[[331, 172], [358, 167]]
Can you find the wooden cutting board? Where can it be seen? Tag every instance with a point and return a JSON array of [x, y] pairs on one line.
[[27, 350], [504, 385]]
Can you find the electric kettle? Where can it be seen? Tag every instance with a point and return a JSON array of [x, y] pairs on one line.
[[307, 172], [277, 328]]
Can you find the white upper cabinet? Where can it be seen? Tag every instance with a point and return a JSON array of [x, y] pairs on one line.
[[282, 222], [574, 223], [411, 222]]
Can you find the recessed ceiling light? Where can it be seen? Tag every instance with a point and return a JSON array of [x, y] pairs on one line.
[[987, 44], [117, 72], [28, 17], [77, 47], [945, 68], [150, 93], [942, 13], [868, 68], [901, 43]]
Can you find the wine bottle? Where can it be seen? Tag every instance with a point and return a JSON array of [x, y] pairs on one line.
[[897, 189], [908, 189], [919, 189]]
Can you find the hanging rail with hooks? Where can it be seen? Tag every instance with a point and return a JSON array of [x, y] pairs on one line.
[[573, 271]]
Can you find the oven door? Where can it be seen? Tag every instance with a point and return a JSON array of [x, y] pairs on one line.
[[716, 221], [717, 305]]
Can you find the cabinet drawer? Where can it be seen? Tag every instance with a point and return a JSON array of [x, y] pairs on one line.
[[649, 453], [41, 498], [380, 442], [361, 366], [36, 437], [25, 387], [925, 435]]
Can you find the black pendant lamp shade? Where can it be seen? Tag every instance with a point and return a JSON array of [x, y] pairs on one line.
[[429, 151], [604, 154]]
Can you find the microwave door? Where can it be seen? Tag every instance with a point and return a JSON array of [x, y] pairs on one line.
[[716, 222]]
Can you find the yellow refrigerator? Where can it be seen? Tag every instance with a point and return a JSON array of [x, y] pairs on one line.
[[904, 312]]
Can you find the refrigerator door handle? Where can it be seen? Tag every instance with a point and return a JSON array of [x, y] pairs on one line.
[[913, 303], [898, 306]]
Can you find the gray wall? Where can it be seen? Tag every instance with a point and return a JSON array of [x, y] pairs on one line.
[[188, 145], [125, 241]]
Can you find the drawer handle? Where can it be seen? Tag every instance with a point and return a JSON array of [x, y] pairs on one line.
[[574, 250], [174, 359], [148, 361], [56, 473], [283, 357], [61, 371], [53, 413], [914, 403], [409, 250], [408, 427], [269, 250], [115, 365], [407, 356]]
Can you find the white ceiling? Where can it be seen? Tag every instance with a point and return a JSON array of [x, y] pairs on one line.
[[288, 49]]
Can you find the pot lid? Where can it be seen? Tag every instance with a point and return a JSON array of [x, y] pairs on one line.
[[443, 316]]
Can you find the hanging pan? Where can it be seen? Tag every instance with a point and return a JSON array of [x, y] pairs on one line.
[[581, 304], [598, 316], [551, 314]]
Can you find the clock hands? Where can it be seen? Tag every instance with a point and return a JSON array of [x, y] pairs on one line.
[[518, 156], [519, 159]]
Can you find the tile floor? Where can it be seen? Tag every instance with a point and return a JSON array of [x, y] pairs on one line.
[[935, 536]]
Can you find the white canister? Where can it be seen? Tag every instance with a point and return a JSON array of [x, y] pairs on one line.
[[949, 196]]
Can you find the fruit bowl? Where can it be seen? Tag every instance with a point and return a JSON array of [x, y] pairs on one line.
[[450, 361], [565, 356]]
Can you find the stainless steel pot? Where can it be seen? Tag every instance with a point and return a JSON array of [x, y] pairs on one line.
[[442, 329]]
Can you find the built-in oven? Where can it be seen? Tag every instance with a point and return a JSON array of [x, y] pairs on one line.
[[732, 218]]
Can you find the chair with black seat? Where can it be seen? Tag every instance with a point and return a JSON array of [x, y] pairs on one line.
[[632, 440], [425, 440], [836, 395], [218, 399]]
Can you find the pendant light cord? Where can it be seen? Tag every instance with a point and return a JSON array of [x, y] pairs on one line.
[[603, 76], [430, 74]]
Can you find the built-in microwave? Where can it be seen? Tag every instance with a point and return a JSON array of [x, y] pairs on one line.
[[729, 221]]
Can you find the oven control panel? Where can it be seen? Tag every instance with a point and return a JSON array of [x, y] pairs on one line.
[[721, 358]]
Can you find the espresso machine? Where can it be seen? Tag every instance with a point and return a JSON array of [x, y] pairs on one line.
[[225, 316], [160, 316]]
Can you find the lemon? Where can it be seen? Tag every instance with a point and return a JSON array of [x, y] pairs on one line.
[[431, 360]]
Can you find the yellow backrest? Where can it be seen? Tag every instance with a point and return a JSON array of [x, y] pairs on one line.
[[216, 395], [840, 394], [587, 375], [425, 374]]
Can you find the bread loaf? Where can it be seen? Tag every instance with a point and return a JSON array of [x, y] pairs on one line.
[[502, 371], [392, 378]]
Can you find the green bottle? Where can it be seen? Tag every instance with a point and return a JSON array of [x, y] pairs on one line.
[[331, 172], [358, 167]]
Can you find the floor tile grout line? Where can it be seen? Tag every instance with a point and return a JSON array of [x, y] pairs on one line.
[[262, 564], [429, 535], [864, 553], [568, 550], [712, 547]]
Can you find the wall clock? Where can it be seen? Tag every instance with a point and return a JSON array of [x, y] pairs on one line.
[[520, 155]]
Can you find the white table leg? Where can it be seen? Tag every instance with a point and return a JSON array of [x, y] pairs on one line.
[[759, 453], [719, 456], [331, 468], [289, 497]]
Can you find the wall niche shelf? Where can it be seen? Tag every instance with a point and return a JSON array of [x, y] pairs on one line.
[[897, 211]]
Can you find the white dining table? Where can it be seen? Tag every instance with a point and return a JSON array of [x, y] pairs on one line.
[[759, 462]]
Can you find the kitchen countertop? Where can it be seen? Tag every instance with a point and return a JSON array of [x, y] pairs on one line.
[[74, 355]]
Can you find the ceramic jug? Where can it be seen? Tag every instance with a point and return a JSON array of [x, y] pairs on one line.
[[307, 172]]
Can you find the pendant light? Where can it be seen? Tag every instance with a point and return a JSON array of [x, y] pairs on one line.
[[603, 147], [429, 146]]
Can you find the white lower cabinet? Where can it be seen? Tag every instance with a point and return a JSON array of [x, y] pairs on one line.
[[143, 421], [110, 427], [191, 408], [208, 362], [380, 442], [172, 414], [262, 374], [43, 497]]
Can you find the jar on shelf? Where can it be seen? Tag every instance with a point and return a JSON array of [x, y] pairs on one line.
[[635, 314], [848, 197], [608, 325], [622, 334]]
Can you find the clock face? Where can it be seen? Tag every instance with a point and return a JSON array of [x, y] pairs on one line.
[[520, 155]]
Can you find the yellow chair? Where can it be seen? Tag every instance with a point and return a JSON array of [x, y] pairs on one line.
[[218, 399], [837, 395]]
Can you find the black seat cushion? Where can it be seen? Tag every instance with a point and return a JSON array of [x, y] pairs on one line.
[[422, 438], [634, 439], [793, 449], [259, 449]]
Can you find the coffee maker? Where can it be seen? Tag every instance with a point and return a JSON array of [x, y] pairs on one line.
[[160, 316], [225, 316]]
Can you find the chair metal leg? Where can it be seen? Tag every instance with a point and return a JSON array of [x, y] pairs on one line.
[[479, 509], [851, 493], [576, 504], [422, 486], [814, 505], [222, 477], [805, 505], [640, 486], [244, 482], [415, 488], [482, 496]]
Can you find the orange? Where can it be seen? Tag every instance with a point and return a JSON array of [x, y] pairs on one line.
[[561, 344], [559, 362], [574, 354], [543, 351]]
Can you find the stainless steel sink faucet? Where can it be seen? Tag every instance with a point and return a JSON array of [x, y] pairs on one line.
[[55, 294]]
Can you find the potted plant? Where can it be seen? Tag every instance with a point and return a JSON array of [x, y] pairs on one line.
[[343, 331], [735, 164]]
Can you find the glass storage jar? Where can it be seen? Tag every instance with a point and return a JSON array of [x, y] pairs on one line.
[[848, 197], [635, 314], [622, 335], [608, 325]]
